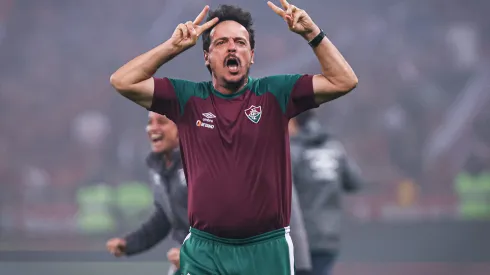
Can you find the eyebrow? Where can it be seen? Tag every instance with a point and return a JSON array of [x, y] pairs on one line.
[[226, 38]]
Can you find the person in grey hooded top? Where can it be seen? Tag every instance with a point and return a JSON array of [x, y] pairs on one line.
[[170, 198], [321, 173]]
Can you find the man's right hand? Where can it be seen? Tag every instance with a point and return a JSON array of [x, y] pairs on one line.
[[116, 246], [186, 35], [134, 80]]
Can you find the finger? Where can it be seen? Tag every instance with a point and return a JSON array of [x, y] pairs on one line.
[[190, 27], [121, 247], [289, 20], [201, 16], [276, 9], [297, 15], [289, 16], [284, 4], [185, 31], [289, 10], [207, 25], [180, 30]]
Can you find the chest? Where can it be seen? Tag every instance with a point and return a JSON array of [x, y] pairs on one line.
[[243, 119]]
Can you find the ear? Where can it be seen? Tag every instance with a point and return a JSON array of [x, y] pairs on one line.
[[206, 58], [252, 58]]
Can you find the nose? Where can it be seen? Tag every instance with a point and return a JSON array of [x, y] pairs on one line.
[[231, 46]]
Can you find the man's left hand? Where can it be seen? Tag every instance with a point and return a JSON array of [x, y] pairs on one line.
[[173, 255], [297, 19]]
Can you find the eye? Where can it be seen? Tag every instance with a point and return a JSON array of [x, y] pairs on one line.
[[241, 42], [220, 42]]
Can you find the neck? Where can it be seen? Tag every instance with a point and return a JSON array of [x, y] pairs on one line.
[[167, 157], [229, 88]]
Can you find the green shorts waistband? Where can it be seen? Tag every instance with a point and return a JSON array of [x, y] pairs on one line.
[[275, 234]]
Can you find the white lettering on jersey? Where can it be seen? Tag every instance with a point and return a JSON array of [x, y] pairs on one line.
[[324, 163]]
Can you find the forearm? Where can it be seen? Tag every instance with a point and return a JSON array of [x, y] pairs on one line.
[[145, 65], [149, 234], [334, 66]]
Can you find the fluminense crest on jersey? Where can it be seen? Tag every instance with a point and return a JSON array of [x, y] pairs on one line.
[[254, 113]]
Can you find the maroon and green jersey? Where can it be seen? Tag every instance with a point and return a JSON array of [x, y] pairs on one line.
[[235, 150]]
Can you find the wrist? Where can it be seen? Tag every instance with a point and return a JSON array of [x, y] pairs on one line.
[[312, 34]]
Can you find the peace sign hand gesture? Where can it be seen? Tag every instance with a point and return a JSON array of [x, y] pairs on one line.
[[297, 19], [186, 35]]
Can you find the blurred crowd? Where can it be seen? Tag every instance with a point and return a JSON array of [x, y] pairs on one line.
[[418, 114]]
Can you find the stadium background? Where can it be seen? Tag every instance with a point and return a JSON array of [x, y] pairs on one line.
[[72, 151]]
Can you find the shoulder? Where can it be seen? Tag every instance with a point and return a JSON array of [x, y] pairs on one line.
[[275, 81], [187, 88]]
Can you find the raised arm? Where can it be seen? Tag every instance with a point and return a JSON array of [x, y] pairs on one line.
[[337, 77], [134, 80]]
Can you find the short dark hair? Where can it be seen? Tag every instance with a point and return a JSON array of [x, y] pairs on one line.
[[233, 13]]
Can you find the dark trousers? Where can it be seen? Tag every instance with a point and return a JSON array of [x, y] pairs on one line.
[[323, 262]]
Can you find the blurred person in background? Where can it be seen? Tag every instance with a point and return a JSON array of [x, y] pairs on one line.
[[321, 173], [170, 194]]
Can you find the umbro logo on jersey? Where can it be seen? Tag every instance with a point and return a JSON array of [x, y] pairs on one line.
[[208, 115], [254, 113], [206, 121]]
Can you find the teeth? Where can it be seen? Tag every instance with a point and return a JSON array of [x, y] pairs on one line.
[[155, 136]]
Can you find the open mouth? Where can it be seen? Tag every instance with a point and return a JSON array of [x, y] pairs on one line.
[[233, 64], [156, 137]]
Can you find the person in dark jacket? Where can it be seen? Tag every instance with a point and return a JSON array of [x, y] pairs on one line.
[[321, 173], [170, 196]]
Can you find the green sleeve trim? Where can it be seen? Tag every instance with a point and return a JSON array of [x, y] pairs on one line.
[[185, 89], [280, 86]]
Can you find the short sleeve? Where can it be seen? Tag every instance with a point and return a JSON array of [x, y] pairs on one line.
[[302, 97], [293, 91], [171, 95]]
